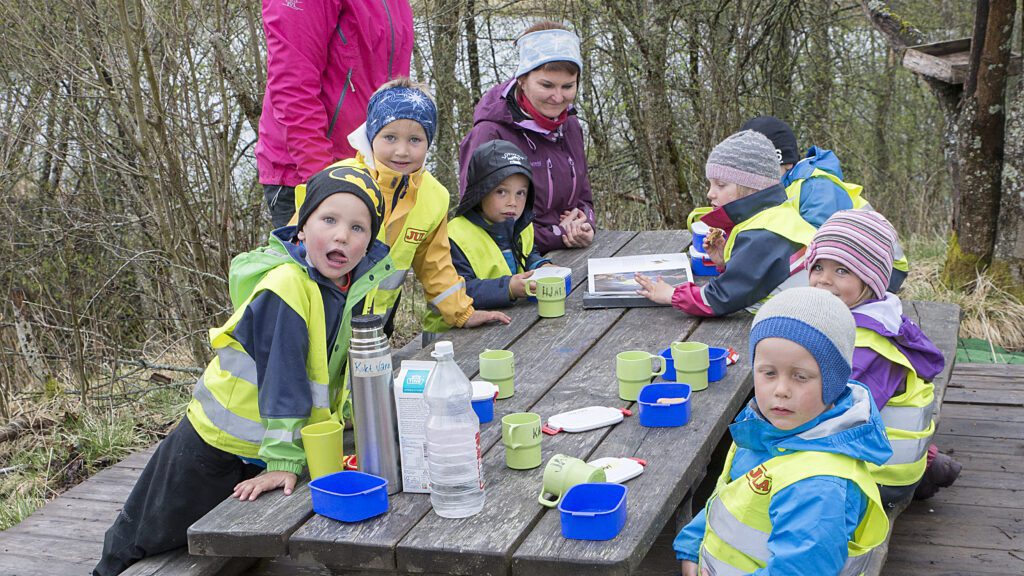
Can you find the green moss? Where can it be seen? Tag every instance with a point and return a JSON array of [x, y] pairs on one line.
[[960, 268], [1002, 274]]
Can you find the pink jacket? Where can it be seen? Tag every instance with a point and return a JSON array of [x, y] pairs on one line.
[[324, 60]]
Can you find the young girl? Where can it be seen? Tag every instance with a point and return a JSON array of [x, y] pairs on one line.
[[851, 256]]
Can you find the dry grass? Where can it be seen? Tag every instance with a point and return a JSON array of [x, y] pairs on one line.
[[989, 313]]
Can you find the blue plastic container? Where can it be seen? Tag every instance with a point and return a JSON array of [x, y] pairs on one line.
[[484, 394], [654, 415], [670, 365], [593, 511], [716, 363], [349, 496], [699, 230], [700, 264]]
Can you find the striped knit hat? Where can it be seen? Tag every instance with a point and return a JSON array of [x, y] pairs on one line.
[[746, 158], [860, 240]]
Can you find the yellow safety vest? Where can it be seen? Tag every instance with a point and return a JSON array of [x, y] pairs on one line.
[[484, 255], [738, 525], [908, 418], [859, 203], [224, 408], [430, 209], [785, 221]]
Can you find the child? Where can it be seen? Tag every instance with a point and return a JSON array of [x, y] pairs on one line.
[[401, 119], [851, 256], [492, 232], [815, 184], [795, 496], [270, 376], [767, 239]]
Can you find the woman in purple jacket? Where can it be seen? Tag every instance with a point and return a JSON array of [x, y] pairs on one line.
[[534, 111]]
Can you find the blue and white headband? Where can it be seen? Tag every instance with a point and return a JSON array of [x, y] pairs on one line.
[[539, 48], [400, 103]]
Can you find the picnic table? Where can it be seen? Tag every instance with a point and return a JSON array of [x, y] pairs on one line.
[[561, 364]]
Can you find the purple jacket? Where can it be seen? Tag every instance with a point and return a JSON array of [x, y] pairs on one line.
[[884, 378], [557, 159]]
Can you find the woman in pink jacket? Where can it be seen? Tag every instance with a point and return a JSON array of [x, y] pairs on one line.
[[324, 60]]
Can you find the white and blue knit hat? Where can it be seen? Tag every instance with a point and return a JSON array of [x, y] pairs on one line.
[[539, 48], [818, 321]]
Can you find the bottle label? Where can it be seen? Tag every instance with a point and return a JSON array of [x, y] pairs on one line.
[[376, 366], [479, 461]]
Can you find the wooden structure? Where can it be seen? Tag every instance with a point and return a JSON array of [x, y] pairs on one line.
[[947, 61]]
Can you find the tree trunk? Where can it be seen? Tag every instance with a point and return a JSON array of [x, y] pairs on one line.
[[1008, 261], [444, 52]]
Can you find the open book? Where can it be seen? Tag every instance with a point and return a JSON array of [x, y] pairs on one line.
[[611, 282]]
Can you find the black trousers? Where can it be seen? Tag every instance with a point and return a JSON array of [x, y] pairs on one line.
[[185, 479], [281, 203]]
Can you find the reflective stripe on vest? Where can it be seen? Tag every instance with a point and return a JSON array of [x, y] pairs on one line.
[[484, 255], [738, 524], [242, 366], [785, 221], [225, 420], [908, 417]]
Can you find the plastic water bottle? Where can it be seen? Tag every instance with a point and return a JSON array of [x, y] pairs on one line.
[[453, 439]]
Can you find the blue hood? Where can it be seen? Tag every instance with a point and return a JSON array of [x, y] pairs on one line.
[[297, 250], [819, 158], [851, 427]]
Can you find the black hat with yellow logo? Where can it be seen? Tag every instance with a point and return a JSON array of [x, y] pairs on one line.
[[343, 179]]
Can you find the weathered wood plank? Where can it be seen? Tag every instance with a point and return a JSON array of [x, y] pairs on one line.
[[989, 429], [15, 564], [980, 445], [180, 563], [435, 543], [990, 413], [941, 513], [1012, 371], [676, 457], [952, 560], [370, 545], [984, 396], [974, 462]]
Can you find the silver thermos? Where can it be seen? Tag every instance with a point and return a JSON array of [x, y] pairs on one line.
[[373, 402]]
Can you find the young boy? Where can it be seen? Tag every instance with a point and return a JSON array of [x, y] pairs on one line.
[[815, 184], [765, 244], [271, 374], [795, 495], [851, 256], [492, 232], [401, 119]]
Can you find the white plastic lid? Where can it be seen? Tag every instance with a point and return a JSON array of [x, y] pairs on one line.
[[618, 470], [699, 227], [696, 252], [585, 419], [482, 390], [444, 347]]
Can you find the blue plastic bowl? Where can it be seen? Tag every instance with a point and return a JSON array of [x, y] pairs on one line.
[[716, 365], [670, 365], [484, 410], [593, 511], [654, 415], [349, 496]]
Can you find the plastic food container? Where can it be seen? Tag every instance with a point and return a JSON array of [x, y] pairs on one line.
[[656, 415], [716, 363], [700, 264], [699, 230], [593, 511], [349, 496], [670, 365], [484, 394]]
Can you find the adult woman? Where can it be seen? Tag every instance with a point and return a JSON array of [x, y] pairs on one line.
[[534, 111]]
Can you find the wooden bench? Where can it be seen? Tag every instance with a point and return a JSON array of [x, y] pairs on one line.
[[940, 321]]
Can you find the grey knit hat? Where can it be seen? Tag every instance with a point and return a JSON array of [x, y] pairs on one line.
[[746, 158], [818, 321]]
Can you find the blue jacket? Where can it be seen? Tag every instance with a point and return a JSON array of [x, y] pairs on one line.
[[276, 337], [809, 533], [819, 197]]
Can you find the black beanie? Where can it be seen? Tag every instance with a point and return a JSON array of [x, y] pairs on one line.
[[348, 179], [779, 133]]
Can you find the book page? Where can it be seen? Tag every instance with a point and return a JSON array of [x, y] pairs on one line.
[[616, 275]]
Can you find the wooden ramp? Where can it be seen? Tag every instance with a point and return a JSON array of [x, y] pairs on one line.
[[977, 525]]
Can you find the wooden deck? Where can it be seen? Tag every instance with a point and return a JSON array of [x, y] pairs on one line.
[[975, 527]]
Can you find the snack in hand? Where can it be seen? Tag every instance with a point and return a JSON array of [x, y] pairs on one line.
[[714, 235]]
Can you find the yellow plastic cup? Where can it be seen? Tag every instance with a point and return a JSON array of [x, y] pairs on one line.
[[323, 445]]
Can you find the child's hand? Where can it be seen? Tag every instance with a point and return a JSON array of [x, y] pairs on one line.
[[517, 285], [481, 317], [689, 568], [714, 247], [251, 489], [654, 290]]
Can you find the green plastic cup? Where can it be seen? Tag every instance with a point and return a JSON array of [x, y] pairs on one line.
[[635, 369], [520, 433], [564, 472], [498, 367], [322, 443], [550, 294], [691, 361]]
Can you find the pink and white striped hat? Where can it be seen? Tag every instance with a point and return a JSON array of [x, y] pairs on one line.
[[861, 240]]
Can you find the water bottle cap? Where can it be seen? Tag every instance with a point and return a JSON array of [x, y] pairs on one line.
[[368, 321], [443, 347]]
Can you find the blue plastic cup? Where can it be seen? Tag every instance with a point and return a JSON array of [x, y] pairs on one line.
[[483, 400], [670, 365], [349, 496], [716, 363], [656, 415], [593, 511]]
